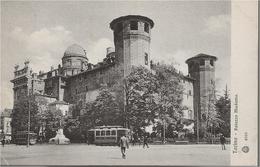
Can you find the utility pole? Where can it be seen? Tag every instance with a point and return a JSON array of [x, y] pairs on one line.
[[29, 122], [164, 129], [198, 137]]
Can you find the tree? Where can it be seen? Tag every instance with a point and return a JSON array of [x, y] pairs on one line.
[[20, 116], [53, 120], [140, 86], [223, 107], [104, 110], [169, 93]]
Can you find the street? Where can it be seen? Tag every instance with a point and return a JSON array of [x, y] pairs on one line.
[[83, 154]]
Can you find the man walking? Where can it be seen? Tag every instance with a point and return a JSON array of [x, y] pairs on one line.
[[145, 142], [123, 145], [222, 141]]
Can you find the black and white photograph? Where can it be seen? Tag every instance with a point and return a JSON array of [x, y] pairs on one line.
[[127, 83]]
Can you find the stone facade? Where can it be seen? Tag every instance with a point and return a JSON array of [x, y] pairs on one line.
[[77, 81]]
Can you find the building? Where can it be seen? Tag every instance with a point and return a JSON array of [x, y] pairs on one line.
[[202, 69], [5, 125], [77, 80]]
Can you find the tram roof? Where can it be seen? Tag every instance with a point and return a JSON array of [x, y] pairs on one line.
[[107, 127]]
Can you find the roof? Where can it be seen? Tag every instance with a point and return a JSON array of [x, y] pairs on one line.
[[58, 102], [201, 56], [75, 50], [139, 17]]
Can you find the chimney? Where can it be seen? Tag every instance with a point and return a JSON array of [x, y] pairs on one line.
[[16, 67], [26, 63]]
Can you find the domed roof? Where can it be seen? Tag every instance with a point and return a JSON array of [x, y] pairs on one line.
[[74, 50]]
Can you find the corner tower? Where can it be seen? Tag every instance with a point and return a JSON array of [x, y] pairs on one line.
[[202, 68], [132, 36]]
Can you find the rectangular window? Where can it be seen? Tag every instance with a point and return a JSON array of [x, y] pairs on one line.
[[97, 133], [211, 62], [113, 133], [134, 25], [103, 133], [202, 62], [108, 133], [146, 59], [146, 27]]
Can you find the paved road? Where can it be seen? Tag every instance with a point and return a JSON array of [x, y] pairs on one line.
[[82, 154]]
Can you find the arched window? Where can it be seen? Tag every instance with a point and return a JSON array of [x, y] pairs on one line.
[[146, 58]]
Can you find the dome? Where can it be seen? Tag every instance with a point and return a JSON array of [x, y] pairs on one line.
[[74, 50]]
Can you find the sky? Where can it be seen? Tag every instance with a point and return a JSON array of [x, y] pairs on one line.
[[41, 31]]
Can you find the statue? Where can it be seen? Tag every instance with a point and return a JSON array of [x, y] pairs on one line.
[[60, 137]]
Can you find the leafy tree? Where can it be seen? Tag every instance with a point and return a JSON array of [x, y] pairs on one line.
[[223, 107], [169, 94], [53, 120], [140, 87], [104, 110], [72, 129], [20, 116]]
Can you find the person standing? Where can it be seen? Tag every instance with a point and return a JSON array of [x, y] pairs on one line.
[[3, 142], [222, 142], [124, 145], [145, 142]]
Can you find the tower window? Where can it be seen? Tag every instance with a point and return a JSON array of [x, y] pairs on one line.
[[202, 62], [146, 59], [146, 27], [211, 62], [133, 25]]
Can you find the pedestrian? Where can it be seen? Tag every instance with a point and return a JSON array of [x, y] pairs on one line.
[[123, 144], [139, 141], [3, 142], [145, 142], [222, 142]]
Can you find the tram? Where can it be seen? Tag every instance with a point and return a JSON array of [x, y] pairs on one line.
[[107, 135]]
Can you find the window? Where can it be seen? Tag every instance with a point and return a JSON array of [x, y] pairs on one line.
[[146, 59], [103, 133], [146, 27], [212, 62], [76, 91], [202, 62], [108, 133], [190, 92], [190, 114], [113, 133], [86, 88], [97, 133], [134, 25]]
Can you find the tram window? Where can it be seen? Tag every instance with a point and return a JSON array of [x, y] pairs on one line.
[[102, 133], [108, 133], [97, 133], [113, 132]]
